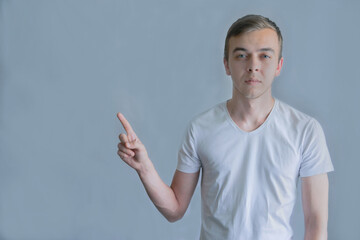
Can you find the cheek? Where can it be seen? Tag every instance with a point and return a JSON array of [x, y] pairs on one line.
[[270, 68], [238, 66]]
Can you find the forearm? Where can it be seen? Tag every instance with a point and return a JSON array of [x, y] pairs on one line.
[[160, 194], [315, 205], [315, 229], [133, 152]]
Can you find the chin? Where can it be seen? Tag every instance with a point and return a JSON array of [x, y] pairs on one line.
[[251, 95]]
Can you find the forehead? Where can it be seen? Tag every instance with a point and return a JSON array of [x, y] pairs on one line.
[[257, 39]]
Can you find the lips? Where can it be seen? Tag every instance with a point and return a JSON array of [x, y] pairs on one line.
[[252, 81]]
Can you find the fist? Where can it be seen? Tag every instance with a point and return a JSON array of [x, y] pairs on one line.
[[130, 149]]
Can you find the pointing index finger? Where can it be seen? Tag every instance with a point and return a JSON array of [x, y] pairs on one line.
[[130, 132]]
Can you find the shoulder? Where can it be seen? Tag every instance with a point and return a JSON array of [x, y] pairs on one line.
[[297, 122], [291, 122], [208, 122], [288, 111], [209, 117], [293, 117]]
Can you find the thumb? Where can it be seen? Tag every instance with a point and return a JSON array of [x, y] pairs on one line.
[[133, 145]]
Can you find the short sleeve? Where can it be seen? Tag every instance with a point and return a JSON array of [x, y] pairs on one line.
[[188, 161], [315, 154]]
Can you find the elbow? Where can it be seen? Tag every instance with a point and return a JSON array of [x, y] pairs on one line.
[[175, 216], [173, 213], [172, 219], [316, 221], [315, 228]]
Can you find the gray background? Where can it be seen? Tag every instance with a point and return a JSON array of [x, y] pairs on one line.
[[67, 68]]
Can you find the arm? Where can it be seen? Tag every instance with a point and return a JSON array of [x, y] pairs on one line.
[[171, 201], [315, 190]]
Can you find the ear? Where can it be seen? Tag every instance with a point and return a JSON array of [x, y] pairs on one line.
[[279, 66], [226, 65]]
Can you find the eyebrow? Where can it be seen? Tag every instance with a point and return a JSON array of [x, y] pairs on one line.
[[260, 50]]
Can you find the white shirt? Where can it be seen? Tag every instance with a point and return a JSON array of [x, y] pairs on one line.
[[249, 179]]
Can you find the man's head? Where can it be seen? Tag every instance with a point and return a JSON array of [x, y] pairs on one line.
[[252, 56], [251, 23]]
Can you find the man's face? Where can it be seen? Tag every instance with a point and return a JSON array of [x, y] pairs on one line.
[[253, 62]]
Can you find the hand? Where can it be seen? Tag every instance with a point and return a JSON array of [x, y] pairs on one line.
[[131, 150]]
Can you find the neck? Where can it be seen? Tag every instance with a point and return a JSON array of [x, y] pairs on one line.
[[249, 114]]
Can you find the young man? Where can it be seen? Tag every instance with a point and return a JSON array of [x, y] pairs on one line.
[[252, 149]]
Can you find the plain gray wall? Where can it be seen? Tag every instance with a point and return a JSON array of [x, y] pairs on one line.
[[67, 68]]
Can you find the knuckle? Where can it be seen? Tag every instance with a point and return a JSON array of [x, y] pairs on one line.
[[122, 137], [122, 154], [120, 146]]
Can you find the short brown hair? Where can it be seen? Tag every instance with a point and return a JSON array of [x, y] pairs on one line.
[[251, 23]]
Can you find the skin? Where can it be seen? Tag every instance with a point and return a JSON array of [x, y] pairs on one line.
[[315, 191], [253, 64], [172, 201]]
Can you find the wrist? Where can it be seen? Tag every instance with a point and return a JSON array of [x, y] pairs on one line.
[[145, 169]]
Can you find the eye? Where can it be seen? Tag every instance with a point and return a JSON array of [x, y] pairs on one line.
[[266, 56], [241, 56]]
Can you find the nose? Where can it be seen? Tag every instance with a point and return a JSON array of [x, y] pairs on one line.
[[253, 69], [253, 65]]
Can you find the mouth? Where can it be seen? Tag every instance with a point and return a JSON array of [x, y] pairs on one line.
[[252, 81]]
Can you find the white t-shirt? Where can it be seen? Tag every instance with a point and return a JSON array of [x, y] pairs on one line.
[[249, 179]]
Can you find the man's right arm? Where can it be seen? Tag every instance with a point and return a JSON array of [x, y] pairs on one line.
[[171, 201]]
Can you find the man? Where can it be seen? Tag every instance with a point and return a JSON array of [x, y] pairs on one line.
[[252, 149]]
